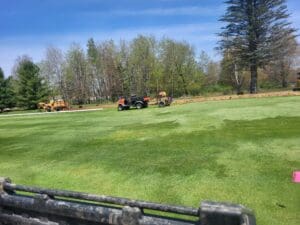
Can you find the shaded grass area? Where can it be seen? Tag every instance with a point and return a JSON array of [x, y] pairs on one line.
[[241, 151]]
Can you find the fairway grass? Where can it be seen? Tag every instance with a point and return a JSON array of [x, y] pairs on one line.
[[241, 151]]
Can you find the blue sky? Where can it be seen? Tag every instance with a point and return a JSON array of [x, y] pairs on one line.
[[29, 26]]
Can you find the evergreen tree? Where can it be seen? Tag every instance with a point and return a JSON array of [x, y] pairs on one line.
[[30, 87], [254, 29], [2, 91], [92, 52], [1, 74], [6, 92]]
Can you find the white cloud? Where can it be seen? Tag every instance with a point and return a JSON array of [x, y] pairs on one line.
[[193, 10], [176, 11], [183, 31]]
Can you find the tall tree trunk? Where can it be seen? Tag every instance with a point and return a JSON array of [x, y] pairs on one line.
[[284, 82], [284, 75], [184, 84], [239, 80], [253, 82]]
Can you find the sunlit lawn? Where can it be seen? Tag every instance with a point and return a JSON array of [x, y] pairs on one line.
[[241, 151]]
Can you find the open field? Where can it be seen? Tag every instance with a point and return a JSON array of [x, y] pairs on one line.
[[241, 151]]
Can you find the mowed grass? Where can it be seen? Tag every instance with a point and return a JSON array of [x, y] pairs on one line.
[[241, 151]]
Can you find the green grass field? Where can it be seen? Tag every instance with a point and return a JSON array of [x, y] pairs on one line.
[[241, 151]]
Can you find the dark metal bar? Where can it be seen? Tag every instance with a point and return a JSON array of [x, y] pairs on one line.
[[56, 207], [61, 208], [104, 199], [85, 212], [17, 219]]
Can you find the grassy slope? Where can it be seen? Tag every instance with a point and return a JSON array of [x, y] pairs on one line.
[[241, 151]]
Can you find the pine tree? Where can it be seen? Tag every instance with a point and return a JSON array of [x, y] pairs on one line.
[[2, 91], [30, 87], [254, 29], [6, 92]]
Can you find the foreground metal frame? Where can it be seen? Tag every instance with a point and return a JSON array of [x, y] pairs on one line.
[[26, 205]]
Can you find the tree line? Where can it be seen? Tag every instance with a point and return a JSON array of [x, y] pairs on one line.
[[106, 70], [258, 47]]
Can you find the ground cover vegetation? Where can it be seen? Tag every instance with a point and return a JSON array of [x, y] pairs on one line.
[[241, 151]]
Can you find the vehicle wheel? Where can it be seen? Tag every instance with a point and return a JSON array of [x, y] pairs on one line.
[[48, 109], [120, 108], [161, 104], [139, 106]]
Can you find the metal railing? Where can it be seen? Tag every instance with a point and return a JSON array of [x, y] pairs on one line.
[[21, 204]]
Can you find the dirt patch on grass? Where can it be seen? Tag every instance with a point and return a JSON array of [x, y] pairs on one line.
[[186, 100]]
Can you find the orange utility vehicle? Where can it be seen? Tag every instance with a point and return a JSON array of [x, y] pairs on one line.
[[133, 102]]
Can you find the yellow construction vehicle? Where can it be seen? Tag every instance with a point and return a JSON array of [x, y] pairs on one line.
[[53, 105]]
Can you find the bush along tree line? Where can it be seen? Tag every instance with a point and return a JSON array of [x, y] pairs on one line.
[[257, 43]]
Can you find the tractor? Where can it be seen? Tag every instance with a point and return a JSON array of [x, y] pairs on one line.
[[134, 102], [297, 87], [163, 100]]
